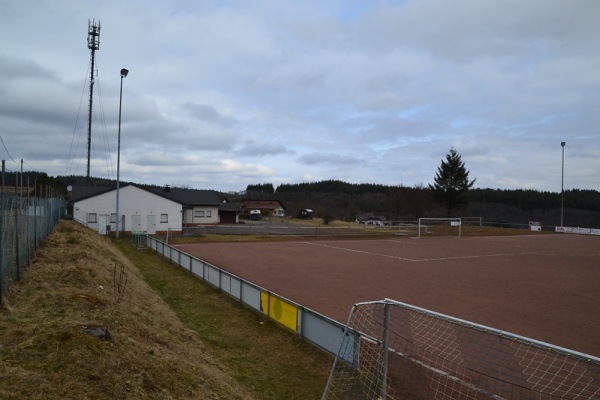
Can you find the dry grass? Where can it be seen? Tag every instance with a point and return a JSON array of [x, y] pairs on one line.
[[79, 279], [169, 336]]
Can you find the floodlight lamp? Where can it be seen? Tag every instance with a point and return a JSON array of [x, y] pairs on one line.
[[124, 72], [563, 144]]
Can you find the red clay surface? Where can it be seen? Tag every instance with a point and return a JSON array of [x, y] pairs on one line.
[[545, 287]]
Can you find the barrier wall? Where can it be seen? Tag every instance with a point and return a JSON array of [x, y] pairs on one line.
[[578, 231], [318, 329]]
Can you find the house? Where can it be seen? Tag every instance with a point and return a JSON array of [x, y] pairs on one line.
[[199, 207], [272, 208], [144, 209]]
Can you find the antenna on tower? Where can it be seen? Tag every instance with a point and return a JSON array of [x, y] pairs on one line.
[[93, 43]]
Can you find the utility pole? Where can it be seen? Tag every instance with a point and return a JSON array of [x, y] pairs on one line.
[[93, 43], [562, 185]]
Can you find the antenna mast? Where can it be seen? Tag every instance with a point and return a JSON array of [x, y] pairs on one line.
[[93, 43]]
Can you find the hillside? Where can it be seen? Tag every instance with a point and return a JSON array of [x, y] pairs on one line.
[[343, 201], [84, 324]]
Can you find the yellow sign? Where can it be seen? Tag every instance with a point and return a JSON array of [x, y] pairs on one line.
[[279, 310]]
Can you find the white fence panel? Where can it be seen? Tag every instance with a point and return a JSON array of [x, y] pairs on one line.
[[235, 287], [198, 268], [212, 275], [323, 331], [251, 295], [174, 255], [185, 260]]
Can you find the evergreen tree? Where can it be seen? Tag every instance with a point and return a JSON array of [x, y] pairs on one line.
[[261, 188], [451, 183]]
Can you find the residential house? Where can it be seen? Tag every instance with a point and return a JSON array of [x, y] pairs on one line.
[[199, 207], [272, 208]]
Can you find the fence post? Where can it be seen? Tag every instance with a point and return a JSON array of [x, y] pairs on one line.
[[2, 232], [17, 209], [385, 344]]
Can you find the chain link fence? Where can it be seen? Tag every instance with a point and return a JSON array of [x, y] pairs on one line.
[[24, 223]]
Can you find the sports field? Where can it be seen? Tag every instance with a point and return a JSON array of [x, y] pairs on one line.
[[546, 287]]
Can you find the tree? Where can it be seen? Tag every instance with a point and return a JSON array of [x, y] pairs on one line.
[[261, 188], [451, 183]]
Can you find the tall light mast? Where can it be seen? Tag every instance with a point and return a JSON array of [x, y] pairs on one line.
[[93, 43]]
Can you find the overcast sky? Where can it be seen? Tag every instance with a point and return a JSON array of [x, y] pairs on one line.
[[222, 94]]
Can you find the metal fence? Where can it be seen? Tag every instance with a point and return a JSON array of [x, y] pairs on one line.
[[24, 223], [310, 325]]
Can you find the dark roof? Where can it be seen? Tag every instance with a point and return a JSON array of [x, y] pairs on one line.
[[185, 197], [262, 204], [369, 217], [229, 207], [83, 192]]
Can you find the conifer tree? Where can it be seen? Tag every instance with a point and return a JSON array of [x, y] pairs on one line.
[[451, 183]]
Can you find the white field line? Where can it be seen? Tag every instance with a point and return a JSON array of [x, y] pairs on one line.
[[423, 259]]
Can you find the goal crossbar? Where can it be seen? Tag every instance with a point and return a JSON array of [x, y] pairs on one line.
[[449, 226]]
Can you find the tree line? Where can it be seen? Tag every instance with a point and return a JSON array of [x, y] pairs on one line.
[[451, 194], [344, 201]]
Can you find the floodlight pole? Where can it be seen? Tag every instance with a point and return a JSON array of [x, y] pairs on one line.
[[562, 184], [124, 73]]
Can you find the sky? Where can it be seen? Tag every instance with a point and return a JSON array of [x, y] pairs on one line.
[[223, 94]]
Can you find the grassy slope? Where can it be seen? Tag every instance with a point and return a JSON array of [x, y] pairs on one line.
[[272, 362], [171, 338]]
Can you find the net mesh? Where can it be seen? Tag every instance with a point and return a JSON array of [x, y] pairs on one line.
[[451, 227], [391, 350], [24, 222]]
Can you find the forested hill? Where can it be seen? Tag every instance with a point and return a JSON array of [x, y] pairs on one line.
[[532, 199], [525, 199], [333, 186], [341, 200]]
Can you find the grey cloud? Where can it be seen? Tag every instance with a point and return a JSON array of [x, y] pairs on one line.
[[327, 158], [261, 149], [207, 113]]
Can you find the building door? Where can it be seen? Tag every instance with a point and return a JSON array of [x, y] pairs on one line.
[[103, 223], [188, 216], [150, 224], [136, 223]]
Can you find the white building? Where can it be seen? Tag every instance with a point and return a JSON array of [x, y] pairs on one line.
[[142, 209]]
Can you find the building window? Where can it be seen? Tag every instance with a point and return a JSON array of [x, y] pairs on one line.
[[208, 214], [92, 218], [199, 214], [113, 218], [164, 218]]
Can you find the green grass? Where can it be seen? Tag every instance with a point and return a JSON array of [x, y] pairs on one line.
[[269, 360]]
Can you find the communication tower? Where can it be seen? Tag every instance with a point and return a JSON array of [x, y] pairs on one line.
[[93, 43]]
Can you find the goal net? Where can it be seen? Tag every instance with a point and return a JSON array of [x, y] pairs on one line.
[[391, 350], [439, 227]]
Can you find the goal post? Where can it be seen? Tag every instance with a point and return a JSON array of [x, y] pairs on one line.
[[440, 227], [392, 350]]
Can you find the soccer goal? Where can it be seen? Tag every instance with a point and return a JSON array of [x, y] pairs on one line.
[[439, 227], [392, 350]]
